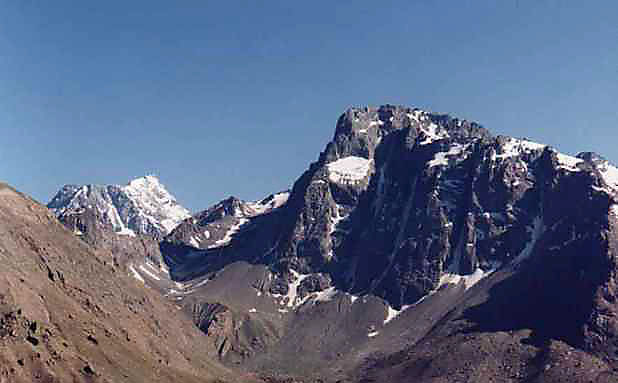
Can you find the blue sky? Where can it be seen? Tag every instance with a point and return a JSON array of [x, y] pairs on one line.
[[237, 98]]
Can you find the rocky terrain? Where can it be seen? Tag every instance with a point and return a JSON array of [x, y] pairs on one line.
[[215, 226], [70, 313], [417, 248]]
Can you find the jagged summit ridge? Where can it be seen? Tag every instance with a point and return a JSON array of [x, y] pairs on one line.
[[215, 227], [402, 201], [143, 206]]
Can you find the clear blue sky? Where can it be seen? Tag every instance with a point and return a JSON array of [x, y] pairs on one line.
[[237, 98]]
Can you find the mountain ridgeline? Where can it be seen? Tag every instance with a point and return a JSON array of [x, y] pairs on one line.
[[413, 235]]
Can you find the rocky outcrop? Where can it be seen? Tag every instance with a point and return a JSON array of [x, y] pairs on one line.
[[92, 228], [216, 226]]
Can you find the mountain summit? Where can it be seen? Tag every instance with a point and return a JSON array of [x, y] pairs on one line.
[[143, 206]]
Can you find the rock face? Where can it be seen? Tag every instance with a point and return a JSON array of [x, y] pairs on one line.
[[216, 226], [143, 206]]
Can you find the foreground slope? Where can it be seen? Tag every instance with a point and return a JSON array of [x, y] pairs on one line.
[[70, 314]]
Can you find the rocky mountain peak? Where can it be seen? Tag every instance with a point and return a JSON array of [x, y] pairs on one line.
[[403, 200], [215, 227], [143, 206]]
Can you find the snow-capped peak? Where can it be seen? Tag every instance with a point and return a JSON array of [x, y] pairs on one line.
[[148, 181], [143, 206], [156, 205]]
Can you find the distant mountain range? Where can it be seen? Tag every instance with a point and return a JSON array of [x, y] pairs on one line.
[[417, 248]]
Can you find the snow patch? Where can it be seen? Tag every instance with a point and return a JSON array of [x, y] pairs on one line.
[[336, 218], [325, 295], [418, 115], [292, 294], [126, 231], [193, 242], [291, 297], [136, 275], [514, 147], [187, 288], [391, 314], [442, 158], [610, 176], [148, 272], [432, 134], [200, 284], [280, 199], [349, 170], [228, 235], [568, 162], [468, 280], [268, 204]]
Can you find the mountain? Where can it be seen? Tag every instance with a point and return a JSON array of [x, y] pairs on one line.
[[128, 221], [69, 313], [415, 228], [215, 226], [418, 247], [143, 206]]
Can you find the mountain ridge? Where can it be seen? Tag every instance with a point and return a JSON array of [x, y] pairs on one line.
[[410, 216]]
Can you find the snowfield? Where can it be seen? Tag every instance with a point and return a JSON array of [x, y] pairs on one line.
[[349, 170]]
